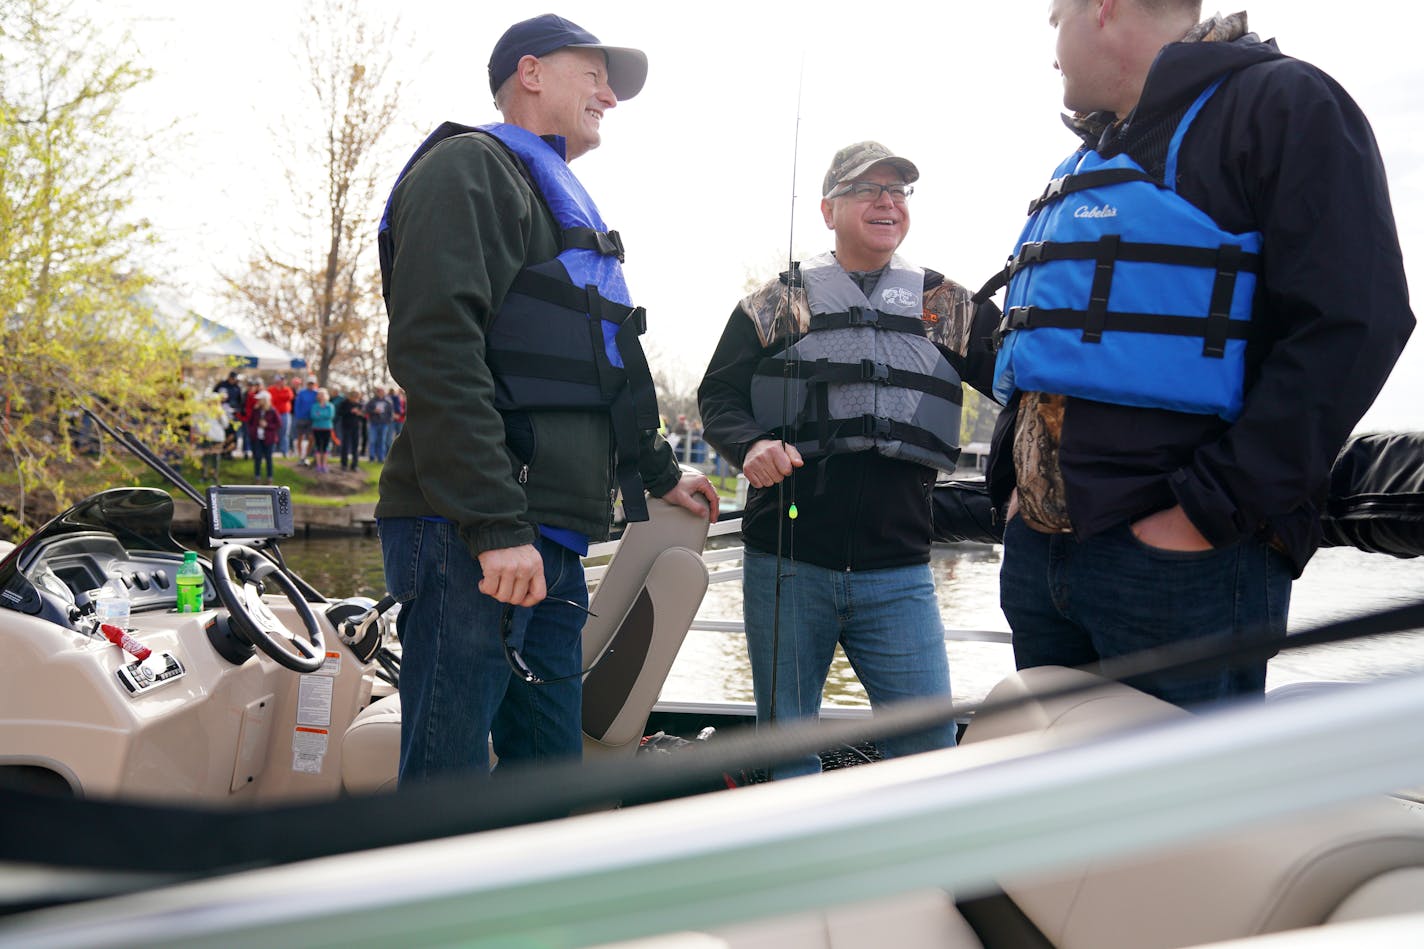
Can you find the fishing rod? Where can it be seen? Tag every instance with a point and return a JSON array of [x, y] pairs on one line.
[[786, 375]]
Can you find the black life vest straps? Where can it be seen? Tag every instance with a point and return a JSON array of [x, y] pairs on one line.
[[1101, 289], [824, 431], [1071, 184], [867, 316], [1034, 252], [607, 243], [822, 373], [1218, 320], [1032, 317]]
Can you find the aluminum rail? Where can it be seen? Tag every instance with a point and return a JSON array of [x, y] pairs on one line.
[[959, 818]]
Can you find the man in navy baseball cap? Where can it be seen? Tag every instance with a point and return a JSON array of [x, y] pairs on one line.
[[542, 35]]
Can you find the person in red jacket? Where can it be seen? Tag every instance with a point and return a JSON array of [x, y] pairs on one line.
[[282, 396]]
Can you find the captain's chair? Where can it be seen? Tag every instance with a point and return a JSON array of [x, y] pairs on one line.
[[643, 605]]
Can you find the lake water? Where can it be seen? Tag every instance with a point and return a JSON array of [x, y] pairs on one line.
[[1338, 583]]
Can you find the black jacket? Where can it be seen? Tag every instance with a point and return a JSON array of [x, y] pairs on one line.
[[1281, 149]]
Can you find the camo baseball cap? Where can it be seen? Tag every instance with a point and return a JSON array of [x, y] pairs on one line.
[[859, 158]]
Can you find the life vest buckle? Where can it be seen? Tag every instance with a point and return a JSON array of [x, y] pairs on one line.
[[872, 371], [1050, 191], [863, 316], [610, 244], [1029, 253], [877, 426]]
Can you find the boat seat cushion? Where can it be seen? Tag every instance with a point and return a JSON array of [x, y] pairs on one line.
[[1284, 876], [370, 749]]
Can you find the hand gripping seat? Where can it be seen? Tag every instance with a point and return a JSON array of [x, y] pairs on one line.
[[644, 604]]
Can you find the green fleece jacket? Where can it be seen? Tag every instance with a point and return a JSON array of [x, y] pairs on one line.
[[464, 221]]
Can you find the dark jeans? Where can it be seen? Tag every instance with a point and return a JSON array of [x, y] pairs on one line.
[[261, 451], [457, 690], [350, 447], [1073, 602]]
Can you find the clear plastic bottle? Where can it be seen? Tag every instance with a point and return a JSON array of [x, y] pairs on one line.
[[111, 603], [190, 584]]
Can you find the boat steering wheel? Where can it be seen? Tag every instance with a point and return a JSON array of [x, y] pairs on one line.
[[252, 620]]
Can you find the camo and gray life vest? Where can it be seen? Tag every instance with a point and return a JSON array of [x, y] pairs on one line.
[[566, 335], [864, 377]]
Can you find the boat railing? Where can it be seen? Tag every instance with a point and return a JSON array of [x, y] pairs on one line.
[[724, 566]]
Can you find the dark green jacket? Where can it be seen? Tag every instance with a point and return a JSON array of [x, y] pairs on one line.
[[464, 221]]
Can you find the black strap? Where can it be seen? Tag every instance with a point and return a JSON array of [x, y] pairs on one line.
[[825, 432], [607, 243], [1032, 317], [1069, 184], [514, 365], [1140, 252], [823, 372], [1218, 319], [867, 316], [550, 289], [1035, 252], [1101, 289], [994, 284]]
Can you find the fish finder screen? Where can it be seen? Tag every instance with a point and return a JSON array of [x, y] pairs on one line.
[[247, 512], [237, 511]]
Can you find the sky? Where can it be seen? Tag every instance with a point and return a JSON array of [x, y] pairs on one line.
[[712, 173]]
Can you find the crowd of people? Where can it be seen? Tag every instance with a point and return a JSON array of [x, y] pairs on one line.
[[260, 419], [1205, 299]]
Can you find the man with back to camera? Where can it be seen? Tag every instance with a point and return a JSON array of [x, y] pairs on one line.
[[1205, 301], [505, 466], [871, 361]]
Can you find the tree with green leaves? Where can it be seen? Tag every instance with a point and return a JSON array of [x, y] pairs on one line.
[[75, 329], [323, 299]]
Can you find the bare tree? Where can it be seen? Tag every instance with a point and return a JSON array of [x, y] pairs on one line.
[[319, 301]]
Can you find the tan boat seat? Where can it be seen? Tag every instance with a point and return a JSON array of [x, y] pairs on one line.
[[644, 604], [1364, 859]]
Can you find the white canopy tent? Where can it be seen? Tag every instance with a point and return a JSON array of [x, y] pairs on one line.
[[212, 342], [208, 341]]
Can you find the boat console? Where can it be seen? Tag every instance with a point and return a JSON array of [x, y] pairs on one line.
[[242, 702]]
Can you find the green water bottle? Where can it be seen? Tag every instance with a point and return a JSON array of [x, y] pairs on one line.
[[190, 584]]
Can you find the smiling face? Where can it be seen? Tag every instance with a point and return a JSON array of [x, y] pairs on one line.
[[868, 232], [573, 94]]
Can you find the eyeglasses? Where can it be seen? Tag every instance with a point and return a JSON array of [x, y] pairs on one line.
[[871, 191], [516, 662]]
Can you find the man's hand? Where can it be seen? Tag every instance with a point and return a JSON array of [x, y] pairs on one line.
[[513, 575], [1170, 530], [685, 494], [769, 462]]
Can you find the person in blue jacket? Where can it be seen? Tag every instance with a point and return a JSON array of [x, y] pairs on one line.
[[1207, 297]]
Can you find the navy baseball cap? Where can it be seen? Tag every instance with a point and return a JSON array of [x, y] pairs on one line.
[[542, 35]]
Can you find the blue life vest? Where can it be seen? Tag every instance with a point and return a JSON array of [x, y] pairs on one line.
[[864, 377], [566, 335], [1122, 291]]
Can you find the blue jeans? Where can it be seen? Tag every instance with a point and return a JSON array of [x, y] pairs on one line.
[[1073, 602], [380, 441], [887, 621], [457, 690]]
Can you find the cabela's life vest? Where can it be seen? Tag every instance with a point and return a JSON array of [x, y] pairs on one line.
[[1122, 291], [864, 377], [566, 336]]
